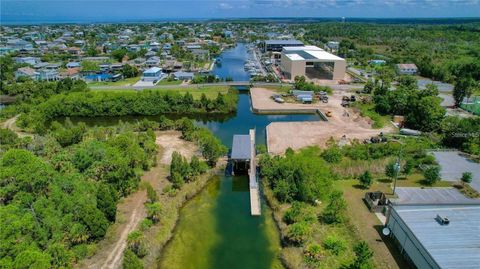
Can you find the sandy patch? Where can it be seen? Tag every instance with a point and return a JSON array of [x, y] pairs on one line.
[[170, 141]]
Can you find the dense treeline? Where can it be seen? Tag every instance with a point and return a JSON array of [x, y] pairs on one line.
[[421, 108], [28, 90], [315, 221], [296, 177], [59, 192], [442, 52], [96, 104]]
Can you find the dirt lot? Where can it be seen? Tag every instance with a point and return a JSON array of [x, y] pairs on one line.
[[131, 210], [262, 102], [282, 135]]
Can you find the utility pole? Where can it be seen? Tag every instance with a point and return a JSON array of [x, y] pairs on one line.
[[397, 167]]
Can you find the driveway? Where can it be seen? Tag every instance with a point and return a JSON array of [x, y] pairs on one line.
[[453, 165]]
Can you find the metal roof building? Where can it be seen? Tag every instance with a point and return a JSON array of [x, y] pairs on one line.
[[437, 236], [313, 62], [241, 147]]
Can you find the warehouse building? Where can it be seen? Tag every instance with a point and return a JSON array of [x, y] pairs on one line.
[[311, 62], [277, 45], [440, 235]]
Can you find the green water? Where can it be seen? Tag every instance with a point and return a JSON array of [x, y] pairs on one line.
[[216, 230]]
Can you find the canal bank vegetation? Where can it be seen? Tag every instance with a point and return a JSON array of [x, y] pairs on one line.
[[316, 197], [98, 104], [310, 214], [60, 191]]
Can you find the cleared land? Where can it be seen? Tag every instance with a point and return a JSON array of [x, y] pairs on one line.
[[296, 135]]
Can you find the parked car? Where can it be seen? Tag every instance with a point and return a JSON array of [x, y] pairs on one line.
[[353, 98]]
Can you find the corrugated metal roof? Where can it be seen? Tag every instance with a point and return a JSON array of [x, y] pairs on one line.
[[414, 195], [456, 245], [241, 147], [284, 42]]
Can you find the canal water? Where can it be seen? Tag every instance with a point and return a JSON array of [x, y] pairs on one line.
[[215, 228], [232, 63]]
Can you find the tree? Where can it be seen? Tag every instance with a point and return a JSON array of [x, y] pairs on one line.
[[432, 174], [334, 212], [298, 233], [332, 154], [363, 254], [154, 211], [466, 178], [334, 244], [409, 165], [366, 179], [131, 261], [391, 170], [118, 54], [90, 66], [425, 114], [129, 71], [151, 194], [463, 88], [177, 180], [135, 243]]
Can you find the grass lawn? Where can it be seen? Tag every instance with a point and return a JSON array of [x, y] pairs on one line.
[[123, 82], [280, 89], [386, 254], [169, 82], [368, 226], [368, 110], [210, 91]]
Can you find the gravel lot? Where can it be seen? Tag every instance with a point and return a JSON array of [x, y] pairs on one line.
[[296, 135]]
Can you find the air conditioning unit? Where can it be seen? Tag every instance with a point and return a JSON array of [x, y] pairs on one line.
[[442, 220]]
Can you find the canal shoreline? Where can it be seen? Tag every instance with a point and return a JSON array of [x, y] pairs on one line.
[[162, 236]]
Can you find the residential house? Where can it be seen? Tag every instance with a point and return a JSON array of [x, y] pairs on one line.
[[72, 73], [73, 65], [181, 75], [152, 74], [27, 60], [26, 72], [153, 61], [407, 69]]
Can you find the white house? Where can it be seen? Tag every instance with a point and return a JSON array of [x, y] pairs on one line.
[[407, 69], [152, 74]]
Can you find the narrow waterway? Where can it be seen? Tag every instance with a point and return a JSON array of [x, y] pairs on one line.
[[215, 228]]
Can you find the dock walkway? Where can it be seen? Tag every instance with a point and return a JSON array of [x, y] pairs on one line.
[[252, 178]]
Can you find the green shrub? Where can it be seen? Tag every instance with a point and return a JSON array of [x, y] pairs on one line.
[[334, 244], [131, 261], [298, 233]]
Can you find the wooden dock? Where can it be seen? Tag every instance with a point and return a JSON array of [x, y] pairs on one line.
[[255, 207]]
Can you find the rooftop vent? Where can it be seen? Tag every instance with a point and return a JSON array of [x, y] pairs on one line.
[[442, 220]]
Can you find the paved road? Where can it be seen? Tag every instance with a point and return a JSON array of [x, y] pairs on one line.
[[230, 83]]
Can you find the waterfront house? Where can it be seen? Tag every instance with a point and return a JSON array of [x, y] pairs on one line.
[[181, 75], [152, 74]]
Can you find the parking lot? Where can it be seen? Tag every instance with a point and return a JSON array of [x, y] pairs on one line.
[[454, 165]]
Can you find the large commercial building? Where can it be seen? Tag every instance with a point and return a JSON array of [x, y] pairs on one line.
[[311, 62], [277, 45], [436, 228]]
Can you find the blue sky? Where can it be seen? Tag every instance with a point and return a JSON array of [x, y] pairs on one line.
[[24, 11]]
